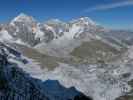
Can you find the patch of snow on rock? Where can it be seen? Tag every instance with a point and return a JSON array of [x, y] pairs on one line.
[[5, 36]]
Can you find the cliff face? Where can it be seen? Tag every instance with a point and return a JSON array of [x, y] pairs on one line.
[[16, 85]]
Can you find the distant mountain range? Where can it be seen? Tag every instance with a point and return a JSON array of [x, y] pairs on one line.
[[54, 29], [58, 38], [80, 53]]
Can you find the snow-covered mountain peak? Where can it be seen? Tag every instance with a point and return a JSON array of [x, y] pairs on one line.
[[23, 18], [84, 20], [54, 21], [22, 15]]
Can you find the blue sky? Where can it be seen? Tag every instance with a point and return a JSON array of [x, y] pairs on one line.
[[116, 14]]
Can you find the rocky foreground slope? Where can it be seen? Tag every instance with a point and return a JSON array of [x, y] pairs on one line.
[[15, 84], [103, 82]]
